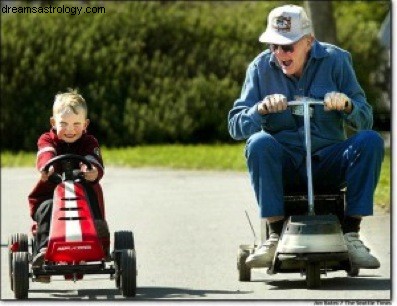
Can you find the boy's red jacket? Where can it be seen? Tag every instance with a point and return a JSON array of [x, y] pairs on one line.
[[49, 146]]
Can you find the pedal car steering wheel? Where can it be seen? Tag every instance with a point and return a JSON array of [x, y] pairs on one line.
[[67, 167]]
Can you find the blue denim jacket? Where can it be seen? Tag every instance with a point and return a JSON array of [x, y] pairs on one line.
[[327, 69]]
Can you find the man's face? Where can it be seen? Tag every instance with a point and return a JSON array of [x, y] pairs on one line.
[[292, 63], [70, 126]]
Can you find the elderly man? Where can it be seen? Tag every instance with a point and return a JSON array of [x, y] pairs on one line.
[[296, 65]]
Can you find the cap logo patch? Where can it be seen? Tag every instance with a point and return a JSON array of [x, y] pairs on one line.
[[282, 24]]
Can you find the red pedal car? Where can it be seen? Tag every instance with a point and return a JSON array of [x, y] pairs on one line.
[[74, 248]]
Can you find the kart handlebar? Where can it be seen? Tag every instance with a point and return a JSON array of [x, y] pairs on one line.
[[304, 101], [310, 102]]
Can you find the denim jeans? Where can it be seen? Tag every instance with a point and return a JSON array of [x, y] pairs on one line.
[[354, 163]]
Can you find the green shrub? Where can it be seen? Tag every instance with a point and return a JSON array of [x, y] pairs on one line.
[[151, 72]]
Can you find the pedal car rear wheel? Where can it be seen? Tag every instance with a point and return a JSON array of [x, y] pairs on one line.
[[313, 276], [22, 246], [21, 275], [244, 272], [123, 240], [128, 273]]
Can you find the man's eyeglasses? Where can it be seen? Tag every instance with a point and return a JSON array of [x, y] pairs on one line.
[[285, 48]]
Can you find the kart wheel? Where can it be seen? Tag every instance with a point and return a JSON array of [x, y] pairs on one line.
[[22, 241], [244, 272], [21, 275], [353, 272], [122, 240], [128, 273], [313, 277]]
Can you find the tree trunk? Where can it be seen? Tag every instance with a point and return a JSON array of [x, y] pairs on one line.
[[322, 15]]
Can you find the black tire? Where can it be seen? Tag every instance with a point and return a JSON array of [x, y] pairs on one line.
[[123, 240], [353, 272], [313, 275], [244, 272], [21, 275], [22, 240], [128, 273]]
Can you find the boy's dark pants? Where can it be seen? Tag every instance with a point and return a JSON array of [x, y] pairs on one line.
[[43, 217]]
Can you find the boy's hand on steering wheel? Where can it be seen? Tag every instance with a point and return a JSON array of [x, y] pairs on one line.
[[337, 101], [276, 103], [89, 175], [45, 175]]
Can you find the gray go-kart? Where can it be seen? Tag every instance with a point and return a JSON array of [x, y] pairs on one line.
[[311, 241]]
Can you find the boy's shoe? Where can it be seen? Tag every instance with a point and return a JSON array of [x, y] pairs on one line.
[[38, 260], [263, 256], [102, 228], [359, 253], [43, 279], [104, 236]]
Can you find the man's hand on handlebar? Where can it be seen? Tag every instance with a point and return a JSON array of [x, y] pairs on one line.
[[337, 101], [277, 103], [272, 104]]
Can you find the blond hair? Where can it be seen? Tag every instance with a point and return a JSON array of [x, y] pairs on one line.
[[70, 100]]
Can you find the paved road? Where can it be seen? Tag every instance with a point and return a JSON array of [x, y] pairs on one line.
[[187, 228]]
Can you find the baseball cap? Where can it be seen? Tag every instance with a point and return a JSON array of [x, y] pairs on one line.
[[286, 25]]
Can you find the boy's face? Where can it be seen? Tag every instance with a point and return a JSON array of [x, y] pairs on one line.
[[68, 125]]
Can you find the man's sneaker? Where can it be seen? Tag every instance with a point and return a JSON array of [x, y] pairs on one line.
[[263, 256], [359, 253], [38, 260]]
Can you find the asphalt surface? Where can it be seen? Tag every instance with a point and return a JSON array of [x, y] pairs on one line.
[[187, 227]]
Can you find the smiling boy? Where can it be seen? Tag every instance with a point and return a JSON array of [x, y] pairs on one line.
[[68, 135]]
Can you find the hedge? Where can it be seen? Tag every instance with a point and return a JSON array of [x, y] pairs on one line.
[[151, 72]]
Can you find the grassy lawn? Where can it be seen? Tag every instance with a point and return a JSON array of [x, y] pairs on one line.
[[195, 157]]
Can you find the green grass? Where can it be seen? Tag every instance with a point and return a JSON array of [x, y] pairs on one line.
[[198, 157], [195, 157]]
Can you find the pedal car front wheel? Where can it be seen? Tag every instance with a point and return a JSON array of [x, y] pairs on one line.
[[20, 274], [128, 273], [16, 243], [124, 240]]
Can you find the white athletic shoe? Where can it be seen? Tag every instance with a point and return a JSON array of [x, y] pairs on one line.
[[263, 256]]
